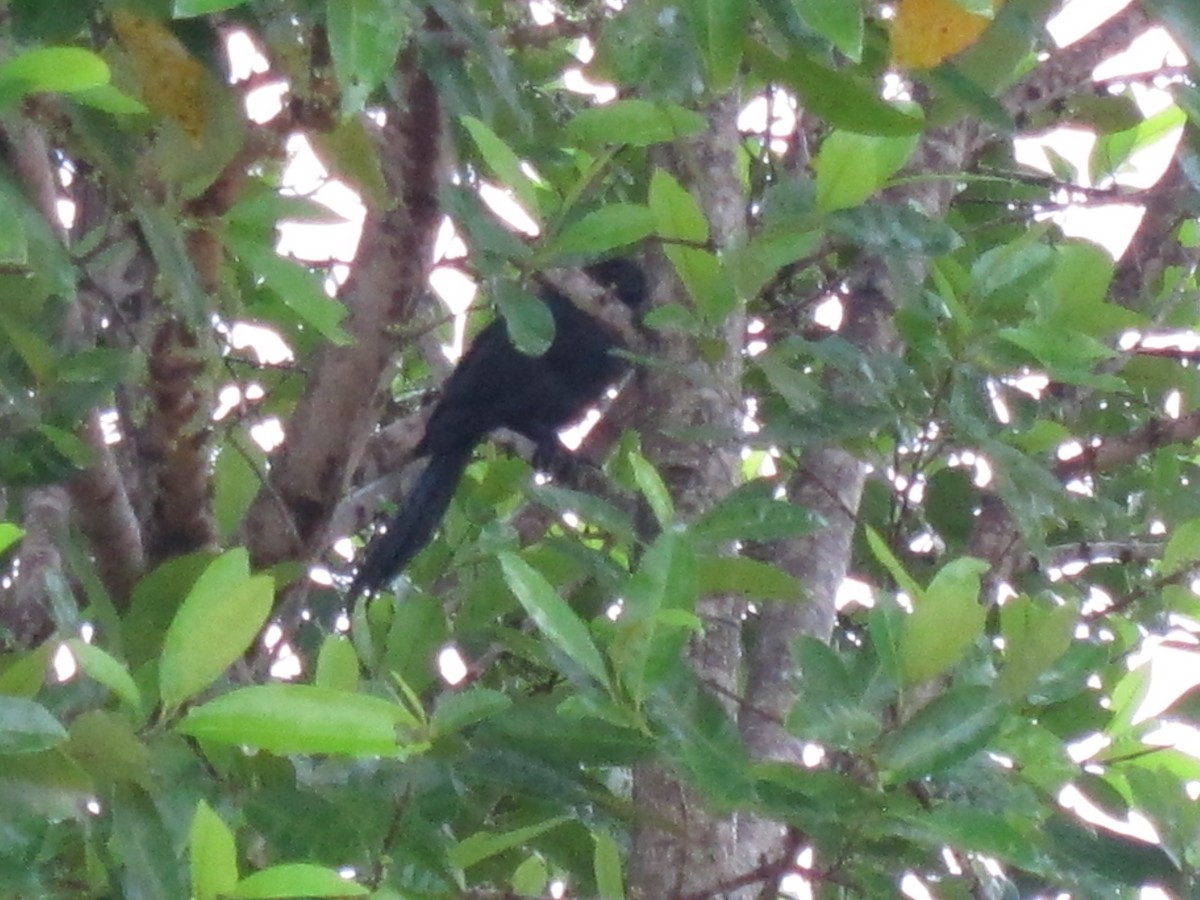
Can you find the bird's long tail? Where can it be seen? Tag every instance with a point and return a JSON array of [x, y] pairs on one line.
[[414, 524]]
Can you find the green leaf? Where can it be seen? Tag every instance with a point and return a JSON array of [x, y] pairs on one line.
[[947, 730], [637, 122], [1079, 287], [950, 500], [658, 617], [721, 27], [484, 844], [527, 319], [415, 631], [27, 727], [148, 850], [887, 559], [1182, 18], [606, 863], [840, 98], [300, 718], [49, 784], [23, 674], [587, 507], [1005, 837], [748, 578], [801, 391], [364, 39], [44, 69], [1113, 151], [1067, 355], [759, 260], [156, 598], [1123, 859], [33, 20], [1018, 265], [33, 350], [187, 8], [947, 619], [14, 242], [296, 880], [830, 709], [1103, 114], [237, 478], [752, 512], [9, 535], [696, 734], [264, 208], [484, 230], [1164, 799], [677, 215], [851, 167], [837, 21], [108, 671], [164, 235], [1127, 699], [615, 225], [504, 163], [1183, 547], [531, 876], [337, 664], [1035, 636], [298, 288], [108, 99], [213, 855], [889, 228], [454, 712], [106, 745], [653, 488], [216, 623], [707, 282], [553, 617]]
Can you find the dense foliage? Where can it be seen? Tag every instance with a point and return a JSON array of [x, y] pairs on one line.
[[923, 383]]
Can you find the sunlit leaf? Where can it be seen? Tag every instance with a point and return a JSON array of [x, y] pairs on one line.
[[50, 69], [603, 229], [217, 622], [213, 855], [297, 880], [947, 619], [299, 718], [851, 167]]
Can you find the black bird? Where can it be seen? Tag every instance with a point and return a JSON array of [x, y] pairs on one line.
[[493, 386]]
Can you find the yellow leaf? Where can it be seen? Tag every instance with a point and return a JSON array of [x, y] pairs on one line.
[[925, 32], [174, 83]]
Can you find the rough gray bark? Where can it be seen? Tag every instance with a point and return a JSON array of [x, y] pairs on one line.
[[681, 846], [829, 481]]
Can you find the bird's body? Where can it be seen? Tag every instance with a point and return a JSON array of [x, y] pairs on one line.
[[497, 386]]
